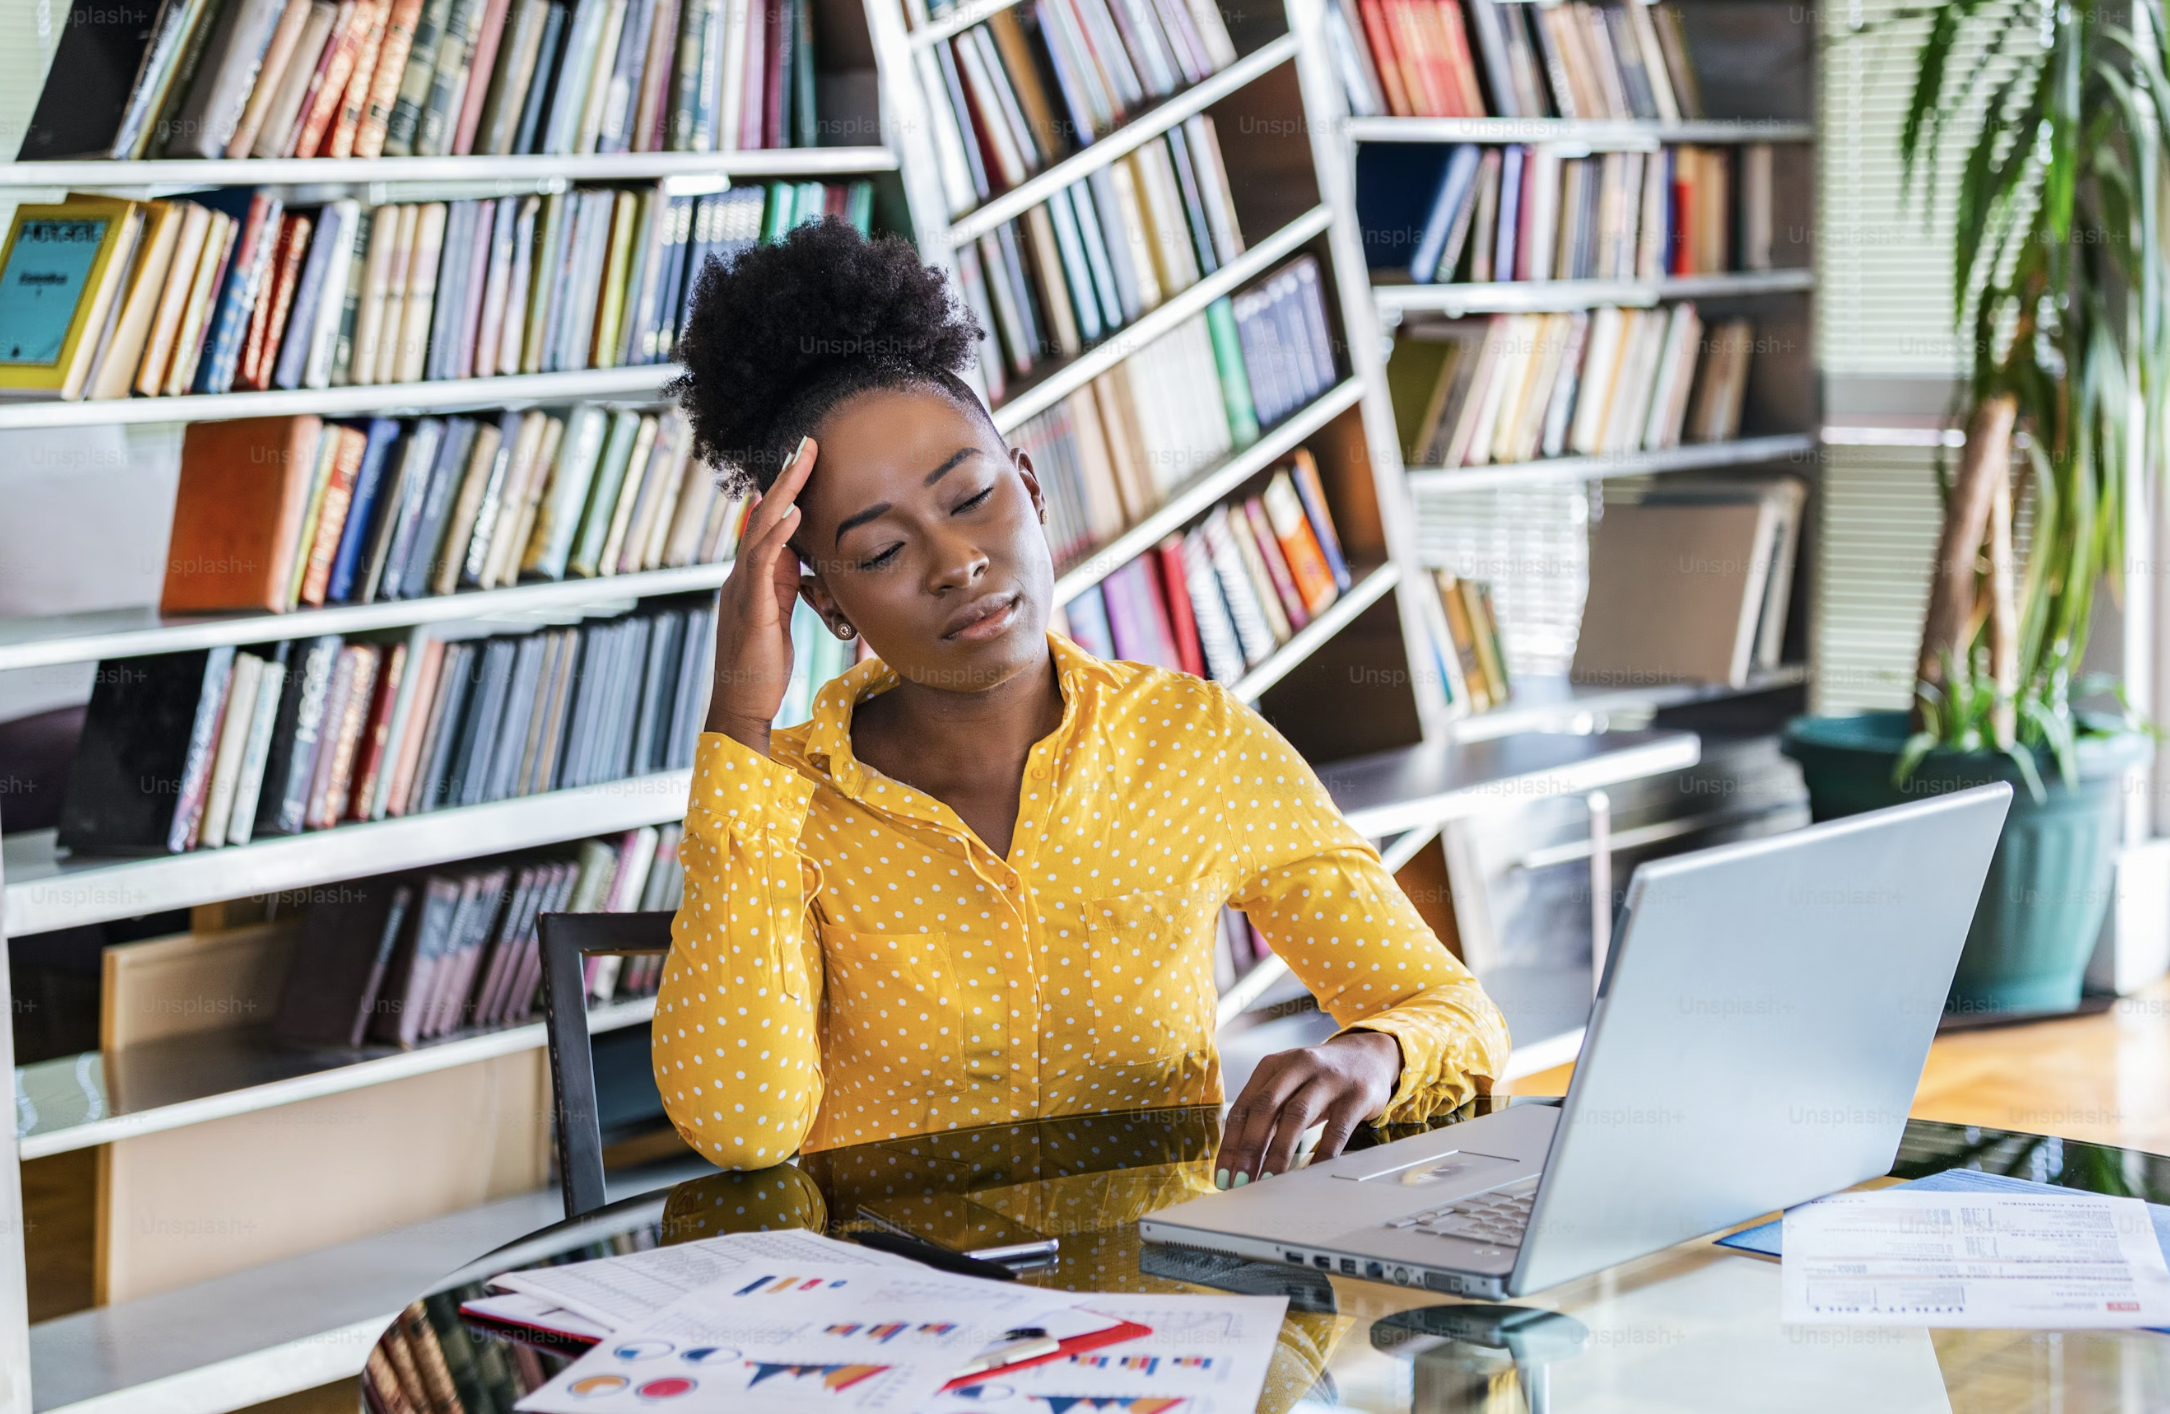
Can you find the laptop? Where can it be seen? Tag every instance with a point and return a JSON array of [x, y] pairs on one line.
[[1762, 1022]]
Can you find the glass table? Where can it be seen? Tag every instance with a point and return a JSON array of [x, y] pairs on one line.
[[1691, 1328]]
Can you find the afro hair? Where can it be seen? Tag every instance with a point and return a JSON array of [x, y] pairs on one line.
[[779, 337]]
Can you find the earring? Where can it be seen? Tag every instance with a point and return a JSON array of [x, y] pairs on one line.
[[845, 631]]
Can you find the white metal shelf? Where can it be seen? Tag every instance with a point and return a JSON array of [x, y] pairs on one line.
[[957, 21], [1555, 296], [45, 892], [1554, 704], [1127, 138], [1699, 456], [1369, 587], [1066, 378], [288, 1078], [643, 383], [1202, 492], [1608, 135], [121, 633], [513, 174]]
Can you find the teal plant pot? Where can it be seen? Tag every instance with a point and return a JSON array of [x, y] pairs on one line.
[[2051, 880]]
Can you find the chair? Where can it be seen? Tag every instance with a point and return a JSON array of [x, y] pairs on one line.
[[568, 940]]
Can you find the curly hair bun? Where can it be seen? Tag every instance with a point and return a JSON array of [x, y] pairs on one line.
[[784, 333]]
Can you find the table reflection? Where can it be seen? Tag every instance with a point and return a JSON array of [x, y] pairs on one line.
[[1691, 1328]]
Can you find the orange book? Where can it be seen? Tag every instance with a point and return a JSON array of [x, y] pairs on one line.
[[1412, 46], [1455, 30], [1292, 531], [384, 86], [267, 323], [329, 83], [1464, 636], [1379, 33], [347, 117], [237, 513], [338, 496], [369, 758]]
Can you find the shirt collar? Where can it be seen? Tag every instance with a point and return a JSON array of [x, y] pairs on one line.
[[828, 735]]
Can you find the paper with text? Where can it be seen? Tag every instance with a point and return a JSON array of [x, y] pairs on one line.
[[1206, 1355], [1902, 1256], [617, 1291], [853, 1339]]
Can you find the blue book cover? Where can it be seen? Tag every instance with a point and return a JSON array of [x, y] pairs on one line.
[[1456, 187], [258, 214], [1512, 160], [361, 511]]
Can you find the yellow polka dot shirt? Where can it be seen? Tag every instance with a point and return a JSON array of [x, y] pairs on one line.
[[851, 963]]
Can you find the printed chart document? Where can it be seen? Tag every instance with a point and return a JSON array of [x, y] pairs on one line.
[[791, 1337], [618, 1291], [1206, 1355], [1905, 1257]]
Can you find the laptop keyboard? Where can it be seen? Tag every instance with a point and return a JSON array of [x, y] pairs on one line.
[[1497, 1218]]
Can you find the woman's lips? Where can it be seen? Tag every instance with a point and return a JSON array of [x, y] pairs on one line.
[[987, 619]]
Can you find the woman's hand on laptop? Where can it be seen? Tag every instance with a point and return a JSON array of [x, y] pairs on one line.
[[1344, 1082]]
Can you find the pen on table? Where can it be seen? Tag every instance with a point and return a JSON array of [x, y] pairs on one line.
[[1029, 1348], [941, 1258]]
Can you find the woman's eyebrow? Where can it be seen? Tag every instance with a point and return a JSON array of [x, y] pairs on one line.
[[851, 522], [944, 469]]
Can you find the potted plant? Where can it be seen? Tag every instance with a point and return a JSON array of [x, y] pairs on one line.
[[2059, 279]]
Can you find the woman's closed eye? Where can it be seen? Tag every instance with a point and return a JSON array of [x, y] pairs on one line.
[[974, 501], [885, 557]]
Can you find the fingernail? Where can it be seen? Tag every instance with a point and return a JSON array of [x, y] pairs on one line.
[[1220, 1178], [1241, 1179], [800, 450]]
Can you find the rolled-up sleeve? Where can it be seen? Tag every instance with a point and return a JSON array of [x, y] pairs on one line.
[[736, 1044], [1325, 902]]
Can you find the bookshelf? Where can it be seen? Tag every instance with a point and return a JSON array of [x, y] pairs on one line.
[[1285, 146]]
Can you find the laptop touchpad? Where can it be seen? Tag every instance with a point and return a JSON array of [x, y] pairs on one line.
[[1459, 1167]]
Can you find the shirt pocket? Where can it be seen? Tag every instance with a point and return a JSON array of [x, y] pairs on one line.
[[1151, 967], [892, 1030]]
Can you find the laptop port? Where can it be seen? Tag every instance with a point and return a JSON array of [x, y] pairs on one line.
[[1376, 1271], [1440, 1281], [1326, 1263], [1296, 1257], [1401, 1275], [1348, 1266]]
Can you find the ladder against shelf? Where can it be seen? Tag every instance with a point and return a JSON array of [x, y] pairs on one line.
[[122, 633], [44, 892]]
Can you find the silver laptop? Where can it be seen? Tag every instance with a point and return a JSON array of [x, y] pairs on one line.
[[1761, 1026]]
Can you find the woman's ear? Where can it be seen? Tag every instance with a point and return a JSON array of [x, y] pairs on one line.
[[1023, 461], [818, 599]]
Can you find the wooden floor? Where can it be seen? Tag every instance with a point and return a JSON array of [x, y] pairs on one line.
[[2104, 1077]]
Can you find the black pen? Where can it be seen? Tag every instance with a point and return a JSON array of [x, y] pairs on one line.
[[940, 1258]]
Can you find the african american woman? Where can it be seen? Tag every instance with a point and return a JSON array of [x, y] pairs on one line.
[[981, 883]]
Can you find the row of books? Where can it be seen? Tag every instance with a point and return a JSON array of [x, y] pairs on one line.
[[1102, 251], [428, 78], [231, 290], [1601, 382], [401, 959], [1037, 82], [213, 747], [1114, 450], [1219, 600], [273, 513], [1495, 58], [1475, 214], [1477, 679]]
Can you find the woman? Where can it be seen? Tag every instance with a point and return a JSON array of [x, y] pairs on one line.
[[980, 884]]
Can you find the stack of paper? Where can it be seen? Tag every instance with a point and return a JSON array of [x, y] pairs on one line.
[[792, 1320]]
